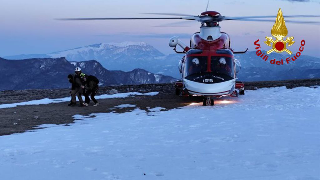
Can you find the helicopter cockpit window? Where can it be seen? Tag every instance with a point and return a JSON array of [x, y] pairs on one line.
[[222, 66], [195, 65]]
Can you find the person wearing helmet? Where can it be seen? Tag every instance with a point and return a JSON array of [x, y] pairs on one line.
[[77, 88]]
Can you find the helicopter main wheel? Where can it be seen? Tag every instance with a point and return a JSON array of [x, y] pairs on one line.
[[235, 93], [178, 91], [241, 92], [208, 101]]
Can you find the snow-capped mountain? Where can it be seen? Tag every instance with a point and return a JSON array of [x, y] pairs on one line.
[[114, 56], [125, 56], [128, 56], [51, 73]]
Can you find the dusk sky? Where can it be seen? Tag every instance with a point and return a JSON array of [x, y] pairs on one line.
[[29, 27]]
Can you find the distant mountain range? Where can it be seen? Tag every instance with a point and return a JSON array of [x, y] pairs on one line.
[[51, 73], [256, 69], [128, 56]]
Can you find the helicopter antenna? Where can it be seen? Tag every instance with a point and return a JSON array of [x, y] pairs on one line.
[[207, 5]]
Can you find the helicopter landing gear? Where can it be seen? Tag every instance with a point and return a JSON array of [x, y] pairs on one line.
[[178, 86], [240, 87], [178, 91], [235, 94], [241, 92], [208, 101]]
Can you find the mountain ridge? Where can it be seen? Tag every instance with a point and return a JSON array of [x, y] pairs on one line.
[[51, 73], [127, 56]]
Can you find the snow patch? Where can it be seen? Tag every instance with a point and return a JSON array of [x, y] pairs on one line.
[[156, 109], [125, 106], [275, 137], [82, 65], [158, 77]]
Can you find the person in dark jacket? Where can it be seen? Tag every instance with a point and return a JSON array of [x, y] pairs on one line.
[[77, 88], [70, 78], [91, 88]]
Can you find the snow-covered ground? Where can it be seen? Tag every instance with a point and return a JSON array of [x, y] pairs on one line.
[[268, 134]]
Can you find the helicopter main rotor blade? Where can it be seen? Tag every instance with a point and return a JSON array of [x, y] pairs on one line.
[[203, 19], [253, 17], [178, 24], [169, 14], [99, 19], [287, 21]]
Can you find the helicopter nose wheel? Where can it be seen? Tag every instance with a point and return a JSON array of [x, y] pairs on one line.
[[208, 101]]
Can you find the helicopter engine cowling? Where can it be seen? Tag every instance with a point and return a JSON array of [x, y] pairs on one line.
[[223, 42]]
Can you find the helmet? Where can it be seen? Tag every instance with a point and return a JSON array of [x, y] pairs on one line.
[[77, 69], [195, 61]]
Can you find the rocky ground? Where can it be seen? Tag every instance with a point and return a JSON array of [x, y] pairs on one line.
[[24, 118]]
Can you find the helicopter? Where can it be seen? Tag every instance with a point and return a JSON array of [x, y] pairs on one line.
[[208, 68]]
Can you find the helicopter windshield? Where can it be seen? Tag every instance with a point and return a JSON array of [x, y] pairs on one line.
[[222, 66], [196, 65]]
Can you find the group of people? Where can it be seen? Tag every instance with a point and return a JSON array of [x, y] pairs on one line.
[[83, 84]]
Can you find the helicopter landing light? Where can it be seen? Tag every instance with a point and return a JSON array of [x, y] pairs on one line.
[[195, 104], [225, 102]]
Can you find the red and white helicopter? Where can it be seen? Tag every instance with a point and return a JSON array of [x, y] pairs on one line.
[[208, 68]]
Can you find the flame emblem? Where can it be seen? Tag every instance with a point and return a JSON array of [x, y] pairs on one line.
[[279, 31]]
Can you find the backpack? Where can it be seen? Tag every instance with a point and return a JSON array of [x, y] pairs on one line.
[[93, 78]]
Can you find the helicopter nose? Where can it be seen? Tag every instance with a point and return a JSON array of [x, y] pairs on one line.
[[208, 78], [222, 88]]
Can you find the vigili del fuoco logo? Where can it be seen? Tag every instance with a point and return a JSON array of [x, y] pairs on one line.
[[279, 31]]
